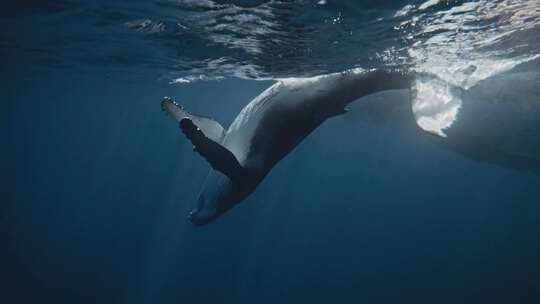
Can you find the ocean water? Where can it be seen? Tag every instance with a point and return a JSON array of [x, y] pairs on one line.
[[428, 195]]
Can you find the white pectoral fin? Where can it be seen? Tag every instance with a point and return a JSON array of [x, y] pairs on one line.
[[435, 104], [211, 128], [219, 157]]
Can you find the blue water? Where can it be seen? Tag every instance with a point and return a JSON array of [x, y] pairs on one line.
[[97, 182]]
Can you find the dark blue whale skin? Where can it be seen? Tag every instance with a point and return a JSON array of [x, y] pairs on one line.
[[267, 129]]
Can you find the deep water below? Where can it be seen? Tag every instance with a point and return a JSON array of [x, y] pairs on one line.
[[97, 184]]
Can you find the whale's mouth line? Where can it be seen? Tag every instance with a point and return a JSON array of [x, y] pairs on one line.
[[192, 216], [198, 217], [200, 221]]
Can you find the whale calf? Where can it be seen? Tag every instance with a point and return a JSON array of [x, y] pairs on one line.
[[267, 129]]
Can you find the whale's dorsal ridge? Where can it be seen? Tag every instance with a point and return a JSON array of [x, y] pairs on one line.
[[211, 128]]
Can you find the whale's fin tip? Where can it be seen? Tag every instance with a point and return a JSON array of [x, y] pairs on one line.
[[211, 128], [219, 157]]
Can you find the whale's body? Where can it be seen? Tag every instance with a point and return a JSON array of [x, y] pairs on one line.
[[267, 129]]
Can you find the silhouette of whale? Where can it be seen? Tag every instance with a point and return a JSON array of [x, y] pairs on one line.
[[267, 129]]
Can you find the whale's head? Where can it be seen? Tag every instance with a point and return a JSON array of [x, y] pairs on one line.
[[218, 195]]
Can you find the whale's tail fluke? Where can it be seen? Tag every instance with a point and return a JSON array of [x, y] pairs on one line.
[[435, 103]]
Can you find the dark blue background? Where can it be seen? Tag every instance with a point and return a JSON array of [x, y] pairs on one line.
[[97, 183]]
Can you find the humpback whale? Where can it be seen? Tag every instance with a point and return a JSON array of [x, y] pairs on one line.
[[267, 129]]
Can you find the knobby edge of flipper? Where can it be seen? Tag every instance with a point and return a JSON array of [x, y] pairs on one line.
[[210, 127], [219, 157]]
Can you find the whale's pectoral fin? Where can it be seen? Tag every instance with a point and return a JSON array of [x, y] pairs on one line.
[[219, 157], [211, 128]]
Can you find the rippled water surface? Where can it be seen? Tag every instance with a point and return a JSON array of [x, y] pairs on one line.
[[269, 39]]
